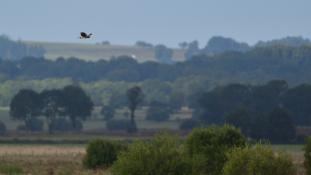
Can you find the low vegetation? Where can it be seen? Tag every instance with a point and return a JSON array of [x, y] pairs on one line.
[[258, 160]]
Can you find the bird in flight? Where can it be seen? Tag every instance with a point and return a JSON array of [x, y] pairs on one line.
[[84, 35]]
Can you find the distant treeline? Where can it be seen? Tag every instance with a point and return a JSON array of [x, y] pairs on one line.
[[12, 50], [258, 65]]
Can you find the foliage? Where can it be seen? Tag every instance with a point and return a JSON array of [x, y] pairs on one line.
[[143, 44], [25, 106], [118, 125], [258, 160], [161, 155], [255, 66], [101, 153], [52, 106], [220, 44], [281, 128], [135, 96], [307, 157], [15, 50], [163, 54], [77, 104], [207, 148], [240, 119]]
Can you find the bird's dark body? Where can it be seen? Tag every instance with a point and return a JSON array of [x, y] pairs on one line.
[[84, 35]]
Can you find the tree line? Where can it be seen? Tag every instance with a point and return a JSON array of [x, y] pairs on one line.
[[58, 106], [270, 111], [16, 50], [257, 65]]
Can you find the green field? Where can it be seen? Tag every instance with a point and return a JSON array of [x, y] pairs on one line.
[[93, 52]]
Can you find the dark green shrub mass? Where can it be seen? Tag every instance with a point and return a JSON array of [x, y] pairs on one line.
[[160, 156], [207, 148], [259, 160], [101, 153]]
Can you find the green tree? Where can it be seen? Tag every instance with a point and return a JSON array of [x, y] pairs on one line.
[[52, 105], [135, 96], [281, 128], [207, 148], [163, 54], [77, 104], [240, 119], [25, 106]]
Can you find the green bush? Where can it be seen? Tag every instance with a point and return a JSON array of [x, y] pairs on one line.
[[101, 153], [160, 156], [307, 155], [207, 148], [258, 160]]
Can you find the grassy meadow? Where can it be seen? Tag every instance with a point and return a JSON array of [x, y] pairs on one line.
[[93, 52]]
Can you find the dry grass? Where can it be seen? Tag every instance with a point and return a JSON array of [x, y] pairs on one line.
[[44, 160]]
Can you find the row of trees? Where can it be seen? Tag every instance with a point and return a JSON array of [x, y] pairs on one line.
[[219, 44], [255, 66], [71, 103], [12, 50], [268, 111]]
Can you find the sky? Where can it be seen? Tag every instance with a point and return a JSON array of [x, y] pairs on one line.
[[157, 21]]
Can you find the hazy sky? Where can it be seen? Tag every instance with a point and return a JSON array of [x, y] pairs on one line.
[[156, 21]]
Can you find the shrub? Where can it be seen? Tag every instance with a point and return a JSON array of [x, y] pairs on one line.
[[207, 148], [307, 155], [114, 125], [162, 155], [258, 160], [2, 128], [101, 153]]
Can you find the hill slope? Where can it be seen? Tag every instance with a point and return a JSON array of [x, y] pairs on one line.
[[95, 52]]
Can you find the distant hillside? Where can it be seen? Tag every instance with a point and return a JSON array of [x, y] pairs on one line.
[[95, 52]]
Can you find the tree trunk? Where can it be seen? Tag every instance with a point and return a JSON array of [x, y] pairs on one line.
[[132, 127]]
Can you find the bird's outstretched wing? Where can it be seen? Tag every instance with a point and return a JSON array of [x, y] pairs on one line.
[[83, 34]]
